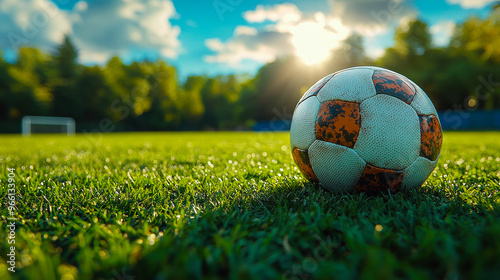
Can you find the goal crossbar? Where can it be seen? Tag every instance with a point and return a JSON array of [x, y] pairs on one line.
[[27, 121]]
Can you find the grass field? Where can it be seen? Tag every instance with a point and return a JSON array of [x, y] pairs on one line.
[[233, 205]]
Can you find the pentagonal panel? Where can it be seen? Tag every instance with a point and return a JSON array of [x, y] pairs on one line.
[[353, 85], [421, 103], [338, 122], [393, 84], [415, 175], [390, 133], [375, 179], [338, 168], [301, 158], [316, 87], [431, 136], [302, 130]]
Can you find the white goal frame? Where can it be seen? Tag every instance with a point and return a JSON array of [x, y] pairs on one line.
[[27, 121]]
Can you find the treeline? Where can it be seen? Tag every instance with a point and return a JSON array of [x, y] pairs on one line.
[[147, 95]]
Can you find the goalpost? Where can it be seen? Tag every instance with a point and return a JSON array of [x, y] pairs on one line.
[[40, 124]]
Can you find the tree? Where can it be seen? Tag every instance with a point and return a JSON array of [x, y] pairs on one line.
[[451, 75], [353, 51], [67, 102], [165, 109], [478, 36], [412, 39], [26, 93], [146, 94], [5, 80], [116, 77], [219, 96], [65, 60], [279, 86], [192, 104], [96, 93], [247, 108], [411, 54]]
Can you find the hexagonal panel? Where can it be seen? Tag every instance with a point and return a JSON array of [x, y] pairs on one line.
[[390, 133], [338, 168], [353, 85], [421, 103], [415, 175]]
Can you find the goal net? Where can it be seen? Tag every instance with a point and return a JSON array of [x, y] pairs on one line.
[[39, 124]]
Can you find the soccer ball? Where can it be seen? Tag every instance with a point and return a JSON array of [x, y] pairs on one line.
[[367, 129]]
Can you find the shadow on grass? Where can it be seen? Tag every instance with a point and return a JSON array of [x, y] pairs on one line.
[[287, 229], [300, 231]]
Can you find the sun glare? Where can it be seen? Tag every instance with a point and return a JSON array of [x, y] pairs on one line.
[[313, 42]]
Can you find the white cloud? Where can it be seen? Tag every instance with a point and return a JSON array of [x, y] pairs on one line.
[[471, 4], [370, 18], [81, 6], [245, 30], [314, 40], [262, 47], [116, 27], [214, 44], [32, 22], [94, 57], [99, 29], [289, 33], [441, 32], [375, 52], [191, 23], [281, 12]]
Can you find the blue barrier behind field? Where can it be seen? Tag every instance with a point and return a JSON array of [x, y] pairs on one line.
[[470, 120], [450, 120], [276, 125]]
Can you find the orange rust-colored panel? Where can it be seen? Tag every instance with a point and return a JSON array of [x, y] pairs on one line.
[[301, 158], [375, 179], [392, 84], [338, 122], [431, 136]]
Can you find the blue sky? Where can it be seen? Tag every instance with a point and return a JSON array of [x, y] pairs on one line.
[[220, 36]]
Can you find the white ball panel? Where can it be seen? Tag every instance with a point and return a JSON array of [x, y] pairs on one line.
[[421, 102], [338, 168], [302, 130], [369, 67], [415, 175], [375, 68], [350, 85], [390, 133]]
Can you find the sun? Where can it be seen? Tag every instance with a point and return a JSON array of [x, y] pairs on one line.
[[313, 42]]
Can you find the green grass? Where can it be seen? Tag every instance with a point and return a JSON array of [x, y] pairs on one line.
[[233, 205]]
